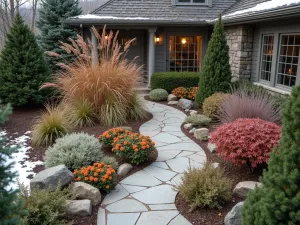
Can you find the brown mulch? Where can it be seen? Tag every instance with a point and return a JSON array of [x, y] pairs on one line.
[[22, 120], [237, 174]]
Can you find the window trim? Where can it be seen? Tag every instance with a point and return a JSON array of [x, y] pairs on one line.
[[266, 82], [191, 3], [275, 61]]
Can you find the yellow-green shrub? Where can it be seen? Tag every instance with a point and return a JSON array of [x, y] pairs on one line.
[[212, 104], [205, 187]]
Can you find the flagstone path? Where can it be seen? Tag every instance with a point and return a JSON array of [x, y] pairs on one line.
[[148, 196]]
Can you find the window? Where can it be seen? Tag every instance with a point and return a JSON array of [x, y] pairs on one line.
[[267, 56], [192, 2], [185, 53], [288, 60]]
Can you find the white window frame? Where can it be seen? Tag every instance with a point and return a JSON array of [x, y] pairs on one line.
[[191, 3]]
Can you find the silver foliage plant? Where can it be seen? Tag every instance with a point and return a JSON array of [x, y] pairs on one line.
[[75, 151]]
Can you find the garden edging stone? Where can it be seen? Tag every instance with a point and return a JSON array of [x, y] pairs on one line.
[[81, 190], [79, 207], [124, 169], [234, 217], [241, 189]]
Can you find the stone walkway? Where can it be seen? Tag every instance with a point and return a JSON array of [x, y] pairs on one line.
[[148, 196]]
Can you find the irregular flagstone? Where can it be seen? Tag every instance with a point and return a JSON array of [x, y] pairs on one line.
[[122, 218], [172, 120], [166, 155], [160, 144], [101, 217], [179, 220], [171, 128], [162, 194], [179, 134], [141, 178], [132, 189], [185, 153], [166, 138], [179, 165], [157, 217], [195, 165], [162, 165], [115, 195], [177, 180], [161, 174], [163, 207], [149, 128], [198, 158], [186, 146], [151, 133], [126, 205]]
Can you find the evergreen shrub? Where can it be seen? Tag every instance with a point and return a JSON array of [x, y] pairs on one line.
[[211, 105], [159, 95]]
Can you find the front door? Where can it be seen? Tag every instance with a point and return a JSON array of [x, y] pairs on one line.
[[185, 53]]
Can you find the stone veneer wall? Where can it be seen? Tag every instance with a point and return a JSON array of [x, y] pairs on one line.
[[240, 42]]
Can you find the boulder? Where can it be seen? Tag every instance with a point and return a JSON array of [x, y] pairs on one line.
[[124, 169], [185, 103], [172, 97], [234, 217], [241, 189], [172, 102], [192, 130], [52, 177], [201, 134], [82, 190], [188, 126], [193, 112], [79, 207], [211, 147]]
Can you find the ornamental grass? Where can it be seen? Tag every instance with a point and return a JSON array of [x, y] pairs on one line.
[[106, 84]]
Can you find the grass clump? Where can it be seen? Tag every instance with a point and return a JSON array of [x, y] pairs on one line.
[[136, 110], [198, 120], [44, 206], [74, 150], [158, 95], [205, 187], [52, 124], [109, 160]]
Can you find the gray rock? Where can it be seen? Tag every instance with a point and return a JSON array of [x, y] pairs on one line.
[[172, 102], [188, 126], [201, 134], [79, 207], [124, 169], [211, 147], [215, 165], [187, 110], [185, 103], [172, 97], [192, 130], [52, 177], [241, 189], [234, 217], [193, 112], [82, 190]]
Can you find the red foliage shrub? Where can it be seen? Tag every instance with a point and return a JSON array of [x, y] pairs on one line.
[[246, 141]]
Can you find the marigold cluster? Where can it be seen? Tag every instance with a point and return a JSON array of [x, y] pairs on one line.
[[108, 136], [99, 175], [187, 93]]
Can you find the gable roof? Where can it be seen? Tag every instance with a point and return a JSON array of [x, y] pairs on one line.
[[156, 12]]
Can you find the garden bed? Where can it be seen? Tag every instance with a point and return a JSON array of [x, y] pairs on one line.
[[21, 121], [237, 174]]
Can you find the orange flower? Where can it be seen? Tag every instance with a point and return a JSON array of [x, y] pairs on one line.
[[86, 178], [107, 186], [136, 149], [96, 174], [92, 168], [75, 172], [96, 179], [125, 142], [122, 149], [98, 170], [79, 178], [110, 177], [91, 178]]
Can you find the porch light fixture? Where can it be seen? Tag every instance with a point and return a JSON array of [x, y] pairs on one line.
[[157, 39], [183, 41]]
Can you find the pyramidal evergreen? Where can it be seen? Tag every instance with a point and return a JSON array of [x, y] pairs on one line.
[[10, 205], [52, 13], [23, 68], [278, 201], [216, 73]]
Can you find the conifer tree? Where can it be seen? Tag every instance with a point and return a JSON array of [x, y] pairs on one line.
[[23, 68], [216, 73], [278, 201], [52, 14], [10, 206]]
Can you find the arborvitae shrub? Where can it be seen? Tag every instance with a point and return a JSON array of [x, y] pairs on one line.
[[278, 200], [216, 73], [246, 141]]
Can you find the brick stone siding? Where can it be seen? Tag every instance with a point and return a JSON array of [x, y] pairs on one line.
[[240, 42]]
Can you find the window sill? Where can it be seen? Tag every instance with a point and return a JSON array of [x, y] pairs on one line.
[[273, 89]]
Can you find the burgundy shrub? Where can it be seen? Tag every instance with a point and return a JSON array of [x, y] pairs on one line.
[[246, 141], [242, 105]]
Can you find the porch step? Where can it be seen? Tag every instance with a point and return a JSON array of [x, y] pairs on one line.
[[143, 89]]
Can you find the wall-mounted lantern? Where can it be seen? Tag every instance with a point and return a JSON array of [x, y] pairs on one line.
[[158, 40]]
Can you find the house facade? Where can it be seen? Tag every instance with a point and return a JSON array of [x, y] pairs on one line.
[[173, 35]]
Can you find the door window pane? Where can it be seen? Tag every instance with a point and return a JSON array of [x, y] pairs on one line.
[[267, 56], [288, 60]]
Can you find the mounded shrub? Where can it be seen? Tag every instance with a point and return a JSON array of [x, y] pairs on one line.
[[246, 141], [171, 80], [211, 105], [198, 120], [109, 160], [110, 135], [187, 93], [44, 206], [159, 95], [133, 147], [99, 175], [205, 187], [52, 124], [74, 150]]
